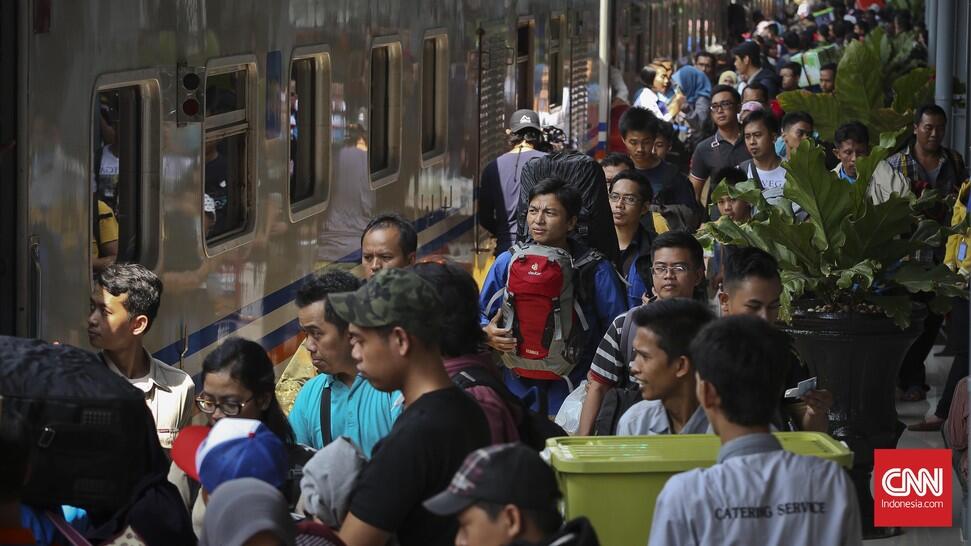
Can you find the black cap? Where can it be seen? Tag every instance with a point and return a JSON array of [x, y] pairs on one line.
[[524, 119], [500, 474]]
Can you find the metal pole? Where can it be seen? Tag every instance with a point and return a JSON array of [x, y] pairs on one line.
[[931, 21], [944, 83], [606, 95]]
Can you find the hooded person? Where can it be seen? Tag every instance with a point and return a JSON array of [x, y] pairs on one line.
[[245, 509]]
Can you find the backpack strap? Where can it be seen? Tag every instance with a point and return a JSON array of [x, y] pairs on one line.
[[626, 340], [70, 533], [475, 376], [749, 165], [325, 396]]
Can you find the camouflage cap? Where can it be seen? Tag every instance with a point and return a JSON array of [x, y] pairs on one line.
[[393, 296]]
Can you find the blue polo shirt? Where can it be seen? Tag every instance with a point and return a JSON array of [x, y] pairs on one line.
[[360, 412]]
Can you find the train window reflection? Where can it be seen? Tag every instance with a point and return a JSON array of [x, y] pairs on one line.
[[225, 92], [226, 182], [309, 107], [116, 166], [434, 101], [384, 113], [524, 65], [557, 35]]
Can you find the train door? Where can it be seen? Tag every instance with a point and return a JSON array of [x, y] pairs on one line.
[[8, 168]]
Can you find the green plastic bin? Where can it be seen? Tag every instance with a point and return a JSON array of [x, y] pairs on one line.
[[615, 480]]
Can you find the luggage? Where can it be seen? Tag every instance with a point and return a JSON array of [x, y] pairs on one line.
[[92, 438], [595, 226]]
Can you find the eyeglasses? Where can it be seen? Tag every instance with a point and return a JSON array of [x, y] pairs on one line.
[[677, 269], [229, 409], [715, 107], [627, 199]]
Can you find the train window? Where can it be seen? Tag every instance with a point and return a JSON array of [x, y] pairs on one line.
[[309, 114], [557, 38], [434, 98], [384, 127], [524, 65], [116, 167], [226, 182]]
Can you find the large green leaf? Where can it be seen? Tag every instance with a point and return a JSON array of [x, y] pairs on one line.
[[825, 110], [913, 89], [938, 279], [873, 232], [859, 276], [791, 244], [820, 192], [859, 82]]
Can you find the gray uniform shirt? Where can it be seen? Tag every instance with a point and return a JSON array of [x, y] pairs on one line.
[[648, 417], [758, 493]]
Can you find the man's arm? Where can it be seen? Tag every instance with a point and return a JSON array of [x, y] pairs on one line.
[[591, 405], [698, 185], [670, 526], [355, 532]]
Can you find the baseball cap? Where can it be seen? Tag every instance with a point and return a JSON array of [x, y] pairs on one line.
[[233, 448], [392, 296], [524, 119], [500, 474]]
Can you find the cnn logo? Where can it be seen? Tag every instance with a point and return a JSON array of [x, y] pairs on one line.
[[912, 487]]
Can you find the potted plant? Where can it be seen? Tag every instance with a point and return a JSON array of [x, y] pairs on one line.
[[848, 284]]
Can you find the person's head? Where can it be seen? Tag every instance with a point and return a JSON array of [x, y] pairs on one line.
[[502, 494], [615, 163], [861, 28], [796, 127], [395, 324], [630, 198], [827, 78], [760, 130], [388, 241], [728, 78], [638, 129], [524, 126], [736, 209], [725, 103], [552, 212], [678, 265], [792, 41], [328, 340], [238, 381], [902, 22], [739, 377], [751, 284], [655, 77], [790, 74], [930, 125], [124, 303], [247, 512], [705, 62], [14, 458], [748, 58], [756, 92], [461, 333], [662, 360], [664, 140], [851, 142]]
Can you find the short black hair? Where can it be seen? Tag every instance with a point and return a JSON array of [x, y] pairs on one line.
[[739, 356], [705, 54], [731, 175], [674, 322], [566, 194], [749, 261], [617, 159], [765, 118], [794, 66], [638, 119], [756, 86], [829, 66], [461, 333], [143, 287], [750, 50], [643, 184], [929, 109], [407, 236], [547, 521], [320, 285], [853, 130], [722, 88], [14, 457], [648, 73], [665, 130], [792, 40], [680, 239], [792, 118]]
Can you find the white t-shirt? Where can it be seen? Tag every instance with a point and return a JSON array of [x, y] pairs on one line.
[[772, 182]]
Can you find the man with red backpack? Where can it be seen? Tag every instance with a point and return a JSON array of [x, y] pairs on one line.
[[547, 302]]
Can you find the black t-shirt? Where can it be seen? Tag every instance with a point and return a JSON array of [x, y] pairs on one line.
[[416, 461]]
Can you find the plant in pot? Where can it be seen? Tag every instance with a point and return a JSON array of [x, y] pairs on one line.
[[849, 286]]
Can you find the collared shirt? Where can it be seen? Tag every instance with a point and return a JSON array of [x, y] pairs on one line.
[[951, 171], [714, 153], [649, 417], [169, 394], [360, 412], [757, 493]]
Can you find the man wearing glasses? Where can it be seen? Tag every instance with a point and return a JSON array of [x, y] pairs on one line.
[[726, 148]]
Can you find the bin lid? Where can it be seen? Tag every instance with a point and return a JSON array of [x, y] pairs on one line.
[[671, 452]]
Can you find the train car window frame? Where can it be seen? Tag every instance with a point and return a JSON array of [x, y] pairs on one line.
[[146, 224], [555, 55], [238, 122], [434, 99], [391, 110], [527, 84], [320, 145]]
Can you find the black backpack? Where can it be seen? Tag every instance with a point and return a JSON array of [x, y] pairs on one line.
[[534, 428], [595, 227], [626, 393], [92, 438]]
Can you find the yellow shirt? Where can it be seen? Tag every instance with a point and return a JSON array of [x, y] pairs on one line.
[[107, 228]]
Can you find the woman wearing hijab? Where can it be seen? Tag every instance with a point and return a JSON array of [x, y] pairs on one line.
[[696, 87]]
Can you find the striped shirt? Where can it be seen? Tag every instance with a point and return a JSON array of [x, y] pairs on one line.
[[609, 364]]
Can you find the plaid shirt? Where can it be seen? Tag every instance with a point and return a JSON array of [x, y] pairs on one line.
[[949, 177]]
